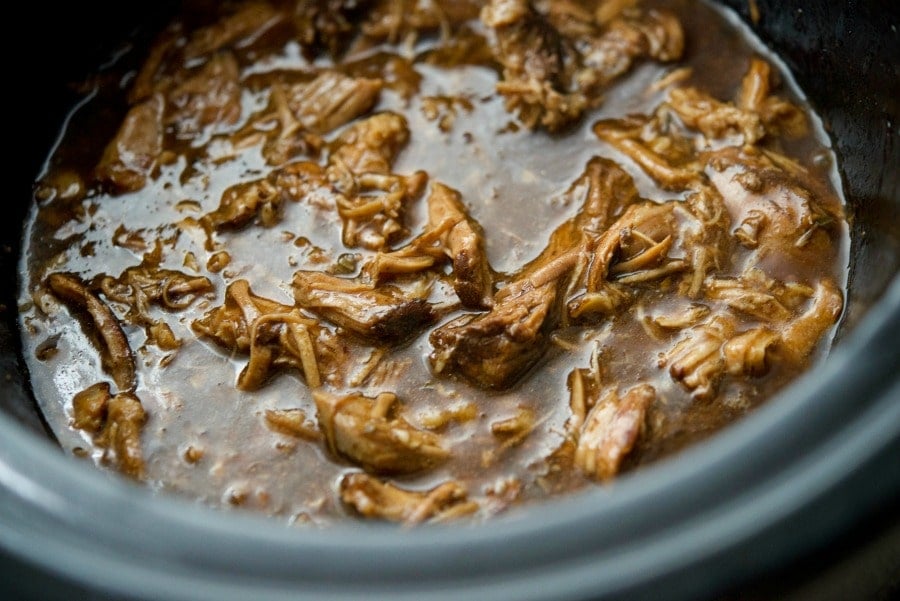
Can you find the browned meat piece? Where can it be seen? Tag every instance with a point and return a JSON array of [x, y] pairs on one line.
[[131, 156], [667, 153], [262, 199], [147, 284], [747, 353], [473, 281], [705, 353], [115, 423], [511, 431], [242, 203], [585, 387], [579, 388], [715, 119], [250, 20], [431, 247], [535, 60], [703, 238], [779, 116], [639, 240], [421, 254], [626, 39], [572, 18], [331, 100], [99, 324], [611, 430], [292, 422], [364, 431], [384, 313], [528, 46], [674, 319], [398, 20], [757, 295], [275, 336], [372, 201], [327, 24], [450, 233], [125, 419], [210, 97], [605, 191], [304, 181], [556, 65], [496, 348], [371, 145], [801, 335], [306, 110], [288, 139], [754, 115], [143, 285], [635, 249], [89, 408], [372, 207], [669, 159], [230, 324], [651, 242], [647, 243], [372, 498], [696, 360], [778, 212]]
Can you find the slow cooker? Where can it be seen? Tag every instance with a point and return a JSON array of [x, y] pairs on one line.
[[801, 499]]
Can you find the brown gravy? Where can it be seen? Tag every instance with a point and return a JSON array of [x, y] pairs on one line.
[[204, 438]]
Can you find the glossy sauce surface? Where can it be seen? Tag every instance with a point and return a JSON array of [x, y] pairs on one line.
[[206, 439]]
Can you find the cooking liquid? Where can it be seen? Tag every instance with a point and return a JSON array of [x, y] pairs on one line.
[[511, 180]]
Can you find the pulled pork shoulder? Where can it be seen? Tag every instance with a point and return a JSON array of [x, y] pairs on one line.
[[710, 286], [327, 24], [775, 206], [450, 233], [305, 111], [261, 200], [100, 324], [604, 426], [754, 115], [401, 20], [331, 100], [275, 336], [148, 284], [133, 154], [556, 64], [384, 313], [372, 200], [464, 245], [496, 348], [372, 498], [114, 423], [611, 430], [704, 354], [664, 144], [365, 431], [210, 97]]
